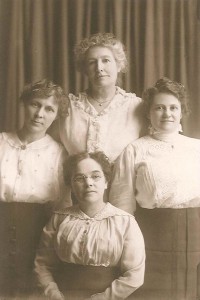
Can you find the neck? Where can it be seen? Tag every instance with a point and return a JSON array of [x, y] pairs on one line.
[[92, 209], [102, 93], [172, 136], [27, 137]]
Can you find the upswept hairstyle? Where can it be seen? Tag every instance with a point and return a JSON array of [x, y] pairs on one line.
[[44, 89], [73, 160], [167, 86], [107, 40]]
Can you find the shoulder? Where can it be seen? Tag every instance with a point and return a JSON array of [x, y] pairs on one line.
[[50, 142], [139, 143], [10, 138], [189, 141], [112, 211], [128, 96]]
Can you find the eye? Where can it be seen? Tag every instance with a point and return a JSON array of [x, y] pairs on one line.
[[79, 178], [174, 107], [34, 104], [106, 60], [96, 176], [159, 108], [50, 109], [91, 62]]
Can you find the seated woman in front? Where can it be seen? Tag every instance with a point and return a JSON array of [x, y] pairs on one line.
[[91, 250]]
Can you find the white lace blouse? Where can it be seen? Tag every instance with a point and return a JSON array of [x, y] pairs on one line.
[[159, 171], [111, 238], [84, 129], [33, 172]]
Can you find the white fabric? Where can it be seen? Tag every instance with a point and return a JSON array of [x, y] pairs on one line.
[[111, 238], [84, 129], [31, 173], [158, 171]]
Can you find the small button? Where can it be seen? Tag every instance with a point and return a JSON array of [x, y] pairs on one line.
[[88, 222], [23, 147], [85, 231]]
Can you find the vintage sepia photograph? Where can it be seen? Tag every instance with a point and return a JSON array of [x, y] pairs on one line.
[[100, 149]]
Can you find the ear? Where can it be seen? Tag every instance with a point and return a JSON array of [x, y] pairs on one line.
[[106, 185]]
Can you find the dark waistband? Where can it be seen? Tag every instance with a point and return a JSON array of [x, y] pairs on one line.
[[79, 277]]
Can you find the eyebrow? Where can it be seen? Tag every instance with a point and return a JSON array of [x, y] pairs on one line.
[[95, 171], [104, 56]]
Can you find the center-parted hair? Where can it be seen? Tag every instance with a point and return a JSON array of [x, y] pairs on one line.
[[73, 160]]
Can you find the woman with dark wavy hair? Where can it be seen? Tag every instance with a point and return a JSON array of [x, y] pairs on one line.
[[157, 179], [91, 250]]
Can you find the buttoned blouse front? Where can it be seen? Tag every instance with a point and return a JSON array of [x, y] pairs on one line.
[[111, 238], [157, 173], [84, 129], [33, 172]]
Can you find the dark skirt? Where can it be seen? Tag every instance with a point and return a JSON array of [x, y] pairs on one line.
[[172, 242], [21, 225], [80, 282]]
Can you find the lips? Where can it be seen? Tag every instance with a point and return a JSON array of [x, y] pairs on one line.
[[36, 122], [90, 192]]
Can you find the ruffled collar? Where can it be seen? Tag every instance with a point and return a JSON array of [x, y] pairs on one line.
[[170, 138], [81, 101], [108, 211]]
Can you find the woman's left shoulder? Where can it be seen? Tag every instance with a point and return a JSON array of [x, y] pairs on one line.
[[115, 211], [190, 141], [128, 96]]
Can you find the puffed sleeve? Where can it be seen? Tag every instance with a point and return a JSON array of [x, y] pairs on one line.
[[46, 260], [132, 265], [122, 190]]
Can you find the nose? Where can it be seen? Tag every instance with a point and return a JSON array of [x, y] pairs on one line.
[[40, 112], [167, 112], [88, 181], [99, 65]]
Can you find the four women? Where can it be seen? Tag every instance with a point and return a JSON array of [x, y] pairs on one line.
[[95, 247], [157, 177]]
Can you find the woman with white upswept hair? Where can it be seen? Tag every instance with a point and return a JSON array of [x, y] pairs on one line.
[[104, 117]]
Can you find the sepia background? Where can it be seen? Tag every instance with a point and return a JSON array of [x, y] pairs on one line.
[[37, 37]]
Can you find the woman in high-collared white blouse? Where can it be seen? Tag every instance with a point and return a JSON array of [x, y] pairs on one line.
[[91, 250], [104, 117], [157, 179], [31, 184]]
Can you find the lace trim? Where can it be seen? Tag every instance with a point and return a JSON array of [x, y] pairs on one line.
[[167, 175], [108, 211], [81, 102]]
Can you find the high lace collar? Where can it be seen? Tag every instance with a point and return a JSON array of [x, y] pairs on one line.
[[166, 137]]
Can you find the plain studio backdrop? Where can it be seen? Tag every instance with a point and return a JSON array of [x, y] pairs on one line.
[[37, 37]]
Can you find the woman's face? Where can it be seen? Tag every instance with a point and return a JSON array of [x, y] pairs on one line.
[[165, 113], [39, 114], [101, 67], [88, 182]]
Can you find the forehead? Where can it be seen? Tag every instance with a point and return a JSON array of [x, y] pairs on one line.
[[99, 51], [87, 165], [49, 101], [165, 99]]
